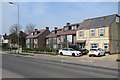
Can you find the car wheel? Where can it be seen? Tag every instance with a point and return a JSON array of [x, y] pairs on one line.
[[61, 53], [73, 54], [104, 54], [89, 55], [99, 55]]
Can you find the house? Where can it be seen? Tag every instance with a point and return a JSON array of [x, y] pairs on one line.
[[5, 40], [37, 38], [13, 40], [102, 32], [63, 37]]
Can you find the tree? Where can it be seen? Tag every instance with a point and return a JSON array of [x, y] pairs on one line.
[[14, 30], [29, 28]]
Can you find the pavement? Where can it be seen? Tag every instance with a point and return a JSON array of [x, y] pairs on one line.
[[30, 67]]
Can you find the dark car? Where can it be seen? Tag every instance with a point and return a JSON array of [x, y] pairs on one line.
[[83, 51]]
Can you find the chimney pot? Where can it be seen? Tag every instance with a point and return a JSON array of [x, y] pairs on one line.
[[67, 24], [47, 28], [55, 27]]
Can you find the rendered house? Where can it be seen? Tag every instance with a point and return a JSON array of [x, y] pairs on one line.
[[5, 40], [63, 37], [37, 38], [101, 32]]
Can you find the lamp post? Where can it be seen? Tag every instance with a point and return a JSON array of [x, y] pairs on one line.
[[18, 21]]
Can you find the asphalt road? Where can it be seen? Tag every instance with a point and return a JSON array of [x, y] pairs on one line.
[[29, 67]]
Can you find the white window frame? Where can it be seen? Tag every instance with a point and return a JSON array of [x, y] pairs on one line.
[[81, 35], [106, 45], [94, 45], [92, 32], [100, 31], [117, 19]]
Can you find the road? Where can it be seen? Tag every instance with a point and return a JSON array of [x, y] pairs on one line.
[[29, 67]]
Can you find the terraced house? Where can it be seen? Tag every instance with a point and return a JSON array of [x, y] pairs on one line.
[[63, 37], [37, 38], [101, 32]]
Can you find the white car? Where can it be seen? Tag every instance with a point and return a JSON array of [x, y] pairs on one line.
[[96, 52], [70, 52]]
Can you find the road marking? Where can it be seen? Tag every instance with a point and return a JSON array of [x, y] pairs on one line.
[[86, 60]]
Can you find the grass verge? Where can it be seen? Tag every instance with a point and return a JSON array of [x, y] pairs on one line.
[[118, 60], [22, 54]]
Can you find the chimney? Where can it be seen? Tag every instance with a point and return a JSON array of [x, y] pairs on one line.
[[67, 24], [47, 28], [36, 29], [21, 31], [55, 28]]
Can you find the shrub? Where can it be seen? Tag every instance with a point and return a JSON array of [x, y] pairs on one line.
[[118, 60]]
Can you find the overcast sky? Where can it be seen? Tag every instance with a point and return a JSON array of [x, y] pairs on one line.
[[53, 14]]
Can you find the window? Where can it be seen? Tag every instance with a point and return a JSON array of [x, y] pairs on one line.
[[28, 46], [65, 49], [117, 19], [31, 33], [81, 33], [54, 40], [54, 46], [49, 40], [66, 28], [69, 38], [92, 32], [35, 33], [28, 40], [58, 31], [101, 32], [94, 45], [53, 32], [106, 46], [74, 27]]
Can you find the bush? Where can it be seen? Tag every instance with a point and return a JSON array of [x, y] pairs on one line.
[[38, 49], [118, 60]]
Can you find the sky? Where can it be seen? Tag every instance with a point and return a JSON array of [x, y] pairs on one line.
[[52, 14]]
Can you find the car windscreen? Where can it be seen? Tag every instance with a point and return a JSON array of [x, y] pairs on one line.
[[65, 49], [93, 49]]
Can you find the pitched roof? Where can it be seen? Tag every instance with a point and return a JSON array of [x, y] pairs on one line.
[[34, 36], [66, 32], [97, 22], [62, 32]]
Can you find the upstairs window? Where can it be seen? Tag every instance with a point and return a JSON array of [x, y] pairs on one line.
[[66, 28], [117, 19], [32, 33], [74, 27], [81, 33], [35, 33], [58, 31], [101, 32], [53, 32], [92, 32]]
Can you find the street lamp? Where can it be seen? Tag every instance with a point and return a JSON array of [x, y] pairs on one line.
[[18, 21]]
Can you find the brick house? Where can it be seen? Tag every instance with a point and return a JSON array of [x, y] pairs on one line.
[[63, 37], [37, 38], [102, 32]]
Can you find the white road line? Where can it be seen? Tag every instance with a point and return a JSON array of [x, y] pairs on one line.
[[86, 60]]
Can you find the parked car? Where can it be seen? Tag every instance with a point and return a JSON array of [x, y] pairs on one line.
[[70, 52], [82, 50], [96, 52]]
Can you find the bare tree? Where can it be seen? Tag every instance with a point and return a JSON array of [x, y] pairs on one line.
[[14, 30], [29, 28]]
